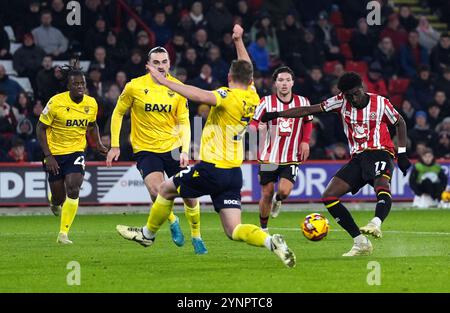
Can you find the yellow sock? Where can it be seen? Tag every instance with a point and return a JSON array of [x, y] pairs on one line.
[[69, 210], [172, 217], [193, 217], [159, 213], [251, 234]]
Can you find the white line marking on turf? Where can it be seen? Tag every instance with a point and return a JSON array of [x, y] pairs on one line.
[[384, 231]]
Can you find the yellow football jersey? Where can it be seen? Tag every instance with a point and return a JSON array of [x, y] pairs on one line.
[[225, 127], [159, 117], [68, 122]]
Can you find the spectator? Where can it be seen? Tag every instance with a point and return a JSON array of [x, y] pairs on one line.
[[264, 26], [444, 126], [95, 37], [135, 66], [59, 17], [197, 16], [315, 152], [422, 132], [443, 83], [325, 33], [408, 113], [121, 80], [186, 27], [7, 118], [443, 148], [374, 80], [117, 51], [218, 65], [338, 71], [395, 31], [243, 11], [362, 42], [129, 35], [95, 85], [29, 19], [201, 44], [4, 44], [36, 113], [412, 55], [171, 15], [315, 87], [407, 20], [440, 54], [227, 48], [8, 85], [261, 87], [181, 74], [143, 42], [427, 180], [277, 8], [175, 48], [163, 33], [46, 82], [50, 39], [191, 63], [289, 37], [106, 107], [101, 61], [28, 58], [428, 36], [259, 53], [440, 100], [17, 152], [420, 91], [219, 19], [205, 80], [387, 57], [434, 115], [22, 107]]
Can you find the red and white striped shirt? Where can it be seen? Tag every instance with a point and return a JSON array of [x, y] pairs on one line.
[[283, 135], [367, 128]]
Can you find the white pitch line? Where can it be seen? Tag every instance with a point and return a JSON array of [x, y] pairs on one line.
[[384, 231]]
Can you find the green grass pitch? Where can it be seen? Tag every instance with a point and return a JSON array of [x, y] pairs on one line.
[[413, 255]]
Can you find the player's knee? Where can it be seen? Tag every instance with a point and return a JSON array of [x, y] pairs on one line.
[[283, 194], [190, 202], [58, 199], [73, 192], [267, 194], [154, 189]]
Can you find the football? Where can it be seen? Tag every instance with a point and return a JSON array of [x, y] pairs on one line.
[[315, 227]]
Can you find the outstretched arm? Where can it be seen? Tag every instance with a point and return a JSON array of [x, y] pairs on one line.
[[294, 112], [241, 51]]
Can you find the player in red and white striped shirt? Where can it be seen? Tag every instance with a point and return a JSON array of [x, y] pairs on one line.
[[365, 118], [286, 144]]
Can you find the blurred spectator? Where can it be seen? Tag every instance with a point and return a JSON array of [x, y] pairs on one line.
[[101, 61], [4, 43], [7, 118], [181, 74], [242, 10], [218, 65], [197, 16], [310, 53], [289, 37], [388, 58], [201, 44], [440, 54], [362, 42], [412, 55], [22, 107], [374, 80], [408, 113], [444, 126], [427, 180], [315, 152], [49, 38], [95, 84], [205, 80], [106, 106], [31, 18], [95, 37], [121, 80], [129, 35], [135, 66], [428, 36], [315, 87], [338, 71], [420, 91], [162, 31], [264, 25], [325, 33], [261, 88], [36, 113], [440, 100], [443, 83], [395, 31], [59, 17], [277, 8], [176, 47], [227, 48], [9, 86], [338, 151], [421, 131], [191, 63], [434, 115], [143, 42], [171, 15], [28, 58], [117, 51], [443, 148], [219, 19], [46, 82], [407, 19], [186, 27], [16, 153], [259, 53]]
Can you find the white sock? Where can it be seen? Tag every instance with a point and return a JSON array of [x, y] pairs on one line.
[[268, 242], [377, 221], [360, 239], [147, 233]]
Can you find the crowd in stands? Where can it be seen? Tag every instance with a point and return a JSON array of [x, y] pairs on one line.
[[404, 59]]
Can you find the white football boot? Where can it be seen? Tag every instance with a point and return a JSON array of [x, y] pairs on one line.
[[135, 234], [371, 229], [280, 248], [363, 247], [63, 239], [276, 207]]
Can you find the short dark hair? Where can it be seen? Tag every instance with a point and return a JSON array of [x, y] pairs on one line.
[[157, 49], [282, 69], [349, 81], [241, 71]]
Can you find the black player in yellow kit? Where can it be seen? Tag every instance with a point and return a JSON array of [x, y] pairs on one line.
[[61, 132], [160, 137], [218, 174]]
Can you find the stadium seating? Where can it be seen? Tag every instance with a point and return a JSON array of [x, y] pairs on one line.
[[8, 64], [346, 51], [398, 86], [344, 34], [25, 83], [359, 67], [336, 18], [328, 67]]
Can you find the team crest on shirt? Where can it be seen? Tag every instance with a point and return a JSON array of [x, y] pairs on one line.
[[222, 93], [285, 126], [170, 93], [360, 133], [86, 109], [373, 116], [146, 91]]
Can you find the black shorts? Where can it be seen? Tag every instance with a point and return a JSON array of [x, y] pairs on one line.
[[223, 185], [68, 163], [269, 173], [149, 162], [364, 167]]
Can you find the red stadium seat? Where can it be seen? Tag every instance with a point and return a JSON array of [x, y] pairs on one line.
[[398, 86], [344, 34], [336, 18], [328, 67], [396, 100], [346, 51], [359, 67]]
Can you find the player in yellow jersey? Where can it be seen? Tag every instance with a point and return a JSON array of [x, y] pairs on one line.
[[218, 174], [159, 130], [61, 131]]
